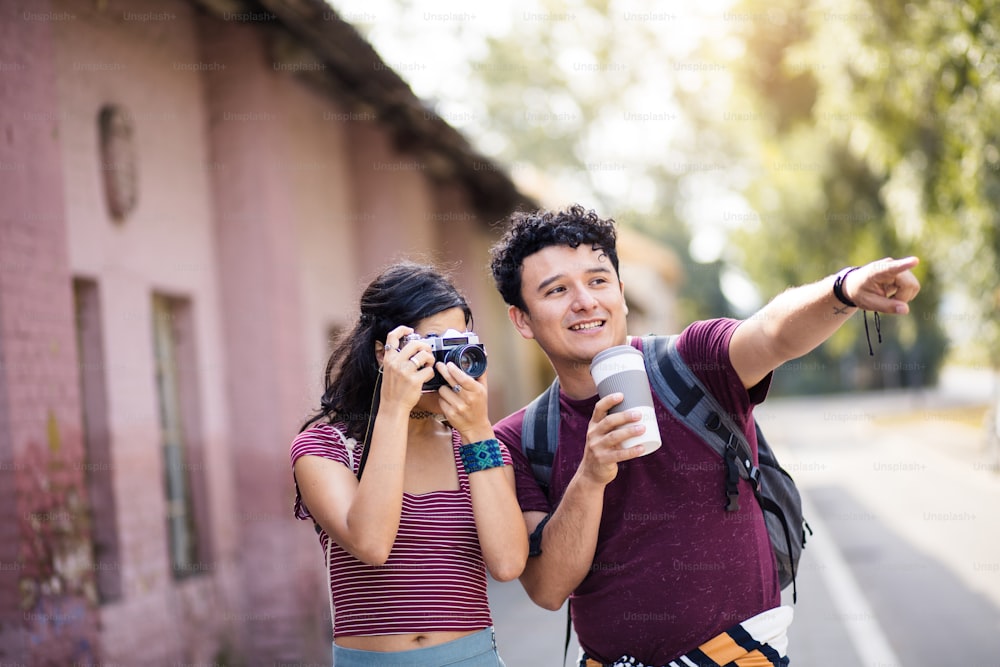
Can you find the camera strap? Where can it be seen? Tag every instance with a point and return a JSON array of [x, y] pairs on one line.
[[371, 423]]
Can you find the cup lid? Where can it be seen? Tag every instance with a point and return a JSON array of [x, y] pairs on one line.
[[626, 353]]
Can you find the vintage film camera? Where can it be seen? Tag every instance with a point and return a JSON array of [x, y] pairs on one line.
[[461, 348]]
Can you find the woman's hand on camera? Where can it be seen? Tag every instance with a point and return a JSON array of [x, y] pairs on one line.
[[463, 402], [406, 366]]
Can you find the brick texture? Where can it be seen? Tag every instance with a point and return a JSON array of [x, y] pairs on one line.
[[47, 614]]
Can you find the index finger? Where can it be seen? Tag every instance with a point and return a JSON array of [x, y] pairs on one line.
[[892, 267], [393, 337], [604, 406]]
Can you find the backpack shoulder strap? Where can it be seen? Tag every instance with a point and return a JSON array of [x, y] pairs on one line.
[[540, 433], [680, 390]]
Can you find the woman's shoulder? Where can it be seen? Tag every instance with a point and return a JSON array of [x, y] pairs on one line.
[[329, 440], [324, 432]]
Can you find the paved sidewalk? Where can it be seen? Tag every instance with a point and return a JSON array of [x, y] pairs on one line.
[[527, 635], [907, 492]]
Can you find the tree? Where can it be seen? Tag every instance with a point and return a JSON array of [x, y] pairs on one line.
[[833, 182]]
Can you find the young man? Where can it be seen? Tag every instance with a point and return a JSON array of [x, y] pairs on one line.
[[657, 569]]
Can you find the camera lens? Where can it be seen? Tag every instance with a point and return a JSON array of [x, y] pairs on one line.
[[470, 358]]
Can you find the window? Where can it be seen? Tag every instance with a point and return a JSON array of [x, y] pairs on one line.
[[184, 470], [98, 466]]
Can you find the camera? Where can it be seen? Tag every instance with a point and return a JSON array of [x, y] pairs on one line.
[[461, 348]]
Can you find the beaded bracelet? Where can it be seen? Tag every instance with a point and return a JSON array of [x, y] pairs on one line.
[[481, 455]]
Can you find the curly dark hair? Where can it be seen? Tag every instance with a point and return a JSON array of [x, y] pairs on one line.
[[532, 231], [404, 293]]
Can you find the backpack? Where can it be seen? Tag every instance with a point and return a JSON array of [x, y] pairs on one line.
[[689, 400]]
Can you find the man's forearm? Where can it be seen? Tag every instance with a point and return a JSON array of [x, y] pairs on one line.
[[569, 541], [800, 319]]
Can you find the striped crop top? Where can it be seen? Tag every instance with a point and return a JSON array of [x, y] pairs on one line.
[[434, 578]]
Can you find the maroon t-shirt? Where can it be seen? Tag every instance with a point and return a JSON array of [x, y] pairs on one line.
[[672, 568]]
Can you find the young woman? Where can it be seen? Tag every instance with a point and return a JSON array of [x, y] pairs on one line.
[[409, 543]]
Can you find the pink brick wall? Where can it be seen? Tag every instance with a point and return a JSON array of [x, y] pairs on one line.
[[327, 224], [266, 208], [140, 56], [45, 614], [393, 193], [250, 123]]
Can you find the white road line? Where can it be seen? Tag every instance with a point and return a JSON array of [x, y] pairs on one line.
[[858, 618]]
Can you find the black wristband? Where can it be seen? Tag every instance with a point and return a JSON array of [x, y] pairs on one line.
[[838, 286], [535, 539]]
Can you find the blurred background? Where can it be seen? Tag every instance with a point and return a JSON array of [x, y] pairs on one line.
[[195, 191]]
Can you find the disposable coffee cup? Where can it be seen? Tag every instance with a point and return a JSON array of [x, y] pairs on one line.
[[621, 369]]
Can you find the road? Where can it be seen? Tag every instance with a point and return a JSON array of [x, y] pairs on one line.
[[904, 569]]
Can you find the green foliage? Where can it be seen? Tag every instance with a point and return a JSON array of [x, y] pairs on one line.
[[934, 120], [887, 113]]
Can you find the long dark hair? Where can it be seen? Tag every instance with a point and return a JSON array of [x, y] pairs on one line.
[[402, 294]]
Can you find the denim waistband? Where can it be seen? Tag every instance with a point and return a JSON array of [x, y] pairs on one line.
[[475, 650]]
